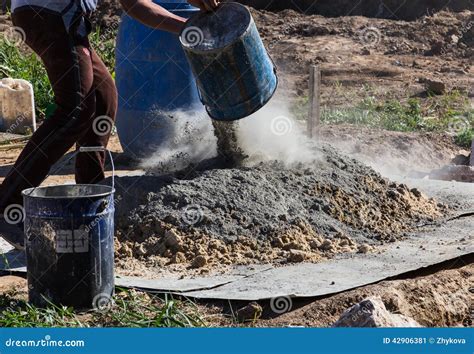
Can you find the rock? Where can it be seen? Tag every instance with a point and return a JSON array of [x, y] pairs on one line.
[[371, 312], [297, 256], [326, 245], [315, 244], [199, 262], [460, 159], [393, 194], [179, 257], [416, 192], [172, 239], [436, 48], [435, 86], [251, 312], [365, 248]]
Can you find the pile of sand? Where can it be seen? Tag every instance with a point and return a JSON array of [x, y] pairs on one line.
[[270, 213]]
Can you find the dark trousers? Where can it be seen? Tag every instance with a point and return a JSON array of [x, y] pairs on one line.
[[83, 90]]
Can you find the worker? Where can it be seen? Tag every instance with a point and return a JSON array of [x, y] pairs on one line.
[[57, 31]]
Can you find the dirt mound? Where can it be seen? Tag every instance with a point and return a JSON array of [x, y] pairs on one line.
[[361, 57], [107, 14], [388, 9], [391, 9], [271, 213], [395, 153]]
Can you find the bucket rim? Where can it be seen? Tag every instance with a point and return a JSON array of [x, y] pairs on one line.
[[223, 48], [27, 193]]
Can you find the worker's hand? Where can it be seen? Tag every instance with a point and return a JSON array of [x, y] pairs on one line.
[[205, 5]]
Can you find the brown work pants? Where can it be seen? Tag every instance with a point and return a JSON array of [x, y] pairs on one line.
[[83, 90]]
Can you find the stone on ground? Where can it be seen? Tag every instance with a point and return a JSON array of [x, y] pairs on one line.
[[372, 312]]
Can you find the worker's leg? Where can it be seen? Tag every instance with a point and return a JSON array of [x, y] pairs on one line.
[[90, 166], [69, 68]]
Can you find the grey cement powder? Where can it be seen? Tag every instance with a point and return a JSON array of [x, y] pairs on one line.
[[333, 195]]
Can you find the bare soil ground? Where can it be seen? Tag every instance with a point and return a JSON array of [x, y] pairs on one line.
[[390, 9], [390, 58]]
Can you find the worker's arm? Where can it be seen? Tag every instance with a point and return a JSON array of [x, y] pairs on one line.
[[155, 16]]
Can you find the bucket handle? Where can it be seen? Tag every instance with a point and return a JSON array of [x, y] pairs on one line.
[[84, 149]]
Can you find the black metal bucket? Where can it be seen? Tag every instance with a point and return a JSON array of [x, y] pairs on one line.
[[69, 232]]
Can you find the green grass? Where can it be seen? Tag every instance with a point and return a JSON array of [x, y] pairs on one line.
[[450, 113], [25, 65], [22, 63], [129, 309], [465, 138], [103, 42], [14, 313]]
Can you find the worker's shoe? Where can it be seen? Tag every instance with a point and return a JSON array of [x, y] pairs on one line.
[[12, 233]]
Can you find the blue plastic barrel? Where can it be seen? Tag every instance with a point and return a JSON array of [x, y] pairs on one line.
[[235, 75], [69, 234], [153, 78]]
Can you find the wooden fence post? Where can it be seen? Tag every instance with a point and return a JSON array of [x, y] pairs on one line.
[[314, 116]]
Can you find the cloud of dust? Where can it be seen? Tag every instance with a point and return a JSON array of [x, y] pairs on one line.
[[273, 133], [190, 139], [270, 134]]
